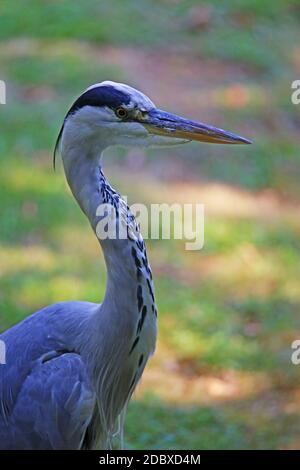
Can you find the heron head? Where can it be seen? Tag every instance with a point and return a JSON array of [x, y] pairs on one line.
[[110, 113]]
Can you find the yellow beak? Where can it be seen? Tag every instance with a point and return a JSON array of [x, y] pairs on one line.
[[166, 124]]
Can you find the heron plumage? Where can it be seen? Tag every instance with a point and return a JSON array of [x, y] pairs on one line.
[[72, 367]]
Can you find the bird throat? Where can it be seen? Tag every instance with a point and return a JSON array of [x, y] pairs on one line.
[[128, 310], [131, 263], [130, 243]]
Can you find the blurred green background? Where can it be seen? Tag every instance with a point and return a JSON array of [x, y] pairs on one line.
[[222, 375]]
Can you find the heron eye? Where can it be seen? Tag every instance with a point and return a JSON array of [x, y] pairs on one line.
[[121, 113]]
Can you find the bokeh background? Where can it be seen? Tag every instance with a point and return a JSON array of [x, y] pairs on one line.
[[222, 375]]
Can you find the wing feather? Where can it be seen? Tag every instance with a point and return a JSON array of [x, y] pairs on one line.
[[54, 406]]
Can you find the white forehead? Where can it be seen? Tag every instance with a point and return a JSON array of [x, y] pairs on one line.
[[137, 98]]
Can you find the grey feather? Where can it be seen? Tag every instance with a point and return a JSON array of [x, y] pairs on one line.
[[72, 367]]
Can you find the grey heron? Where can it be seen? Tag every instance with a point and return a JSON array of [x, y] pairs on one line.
[[71, 368]]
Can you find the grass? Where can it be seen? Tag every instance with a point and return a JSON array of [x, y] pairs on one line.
[[222, 374]]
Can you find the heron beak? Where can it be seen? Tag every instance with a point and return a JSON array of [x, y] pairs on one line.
[[166, 124]]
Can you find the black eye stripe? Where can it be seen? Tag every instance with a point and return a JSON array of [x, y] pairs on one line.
[[100, 96], [105, 95]]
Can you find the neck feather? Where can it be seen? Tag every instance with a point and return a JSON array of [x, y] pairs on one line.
[[124, 326], [126, 258]]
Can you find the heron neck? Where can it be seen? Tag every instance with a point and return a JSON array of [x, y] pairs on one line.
[[126, 259]]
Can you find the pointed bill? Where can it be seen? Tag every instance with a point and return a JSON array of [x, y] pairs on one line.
[[170, 125]]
